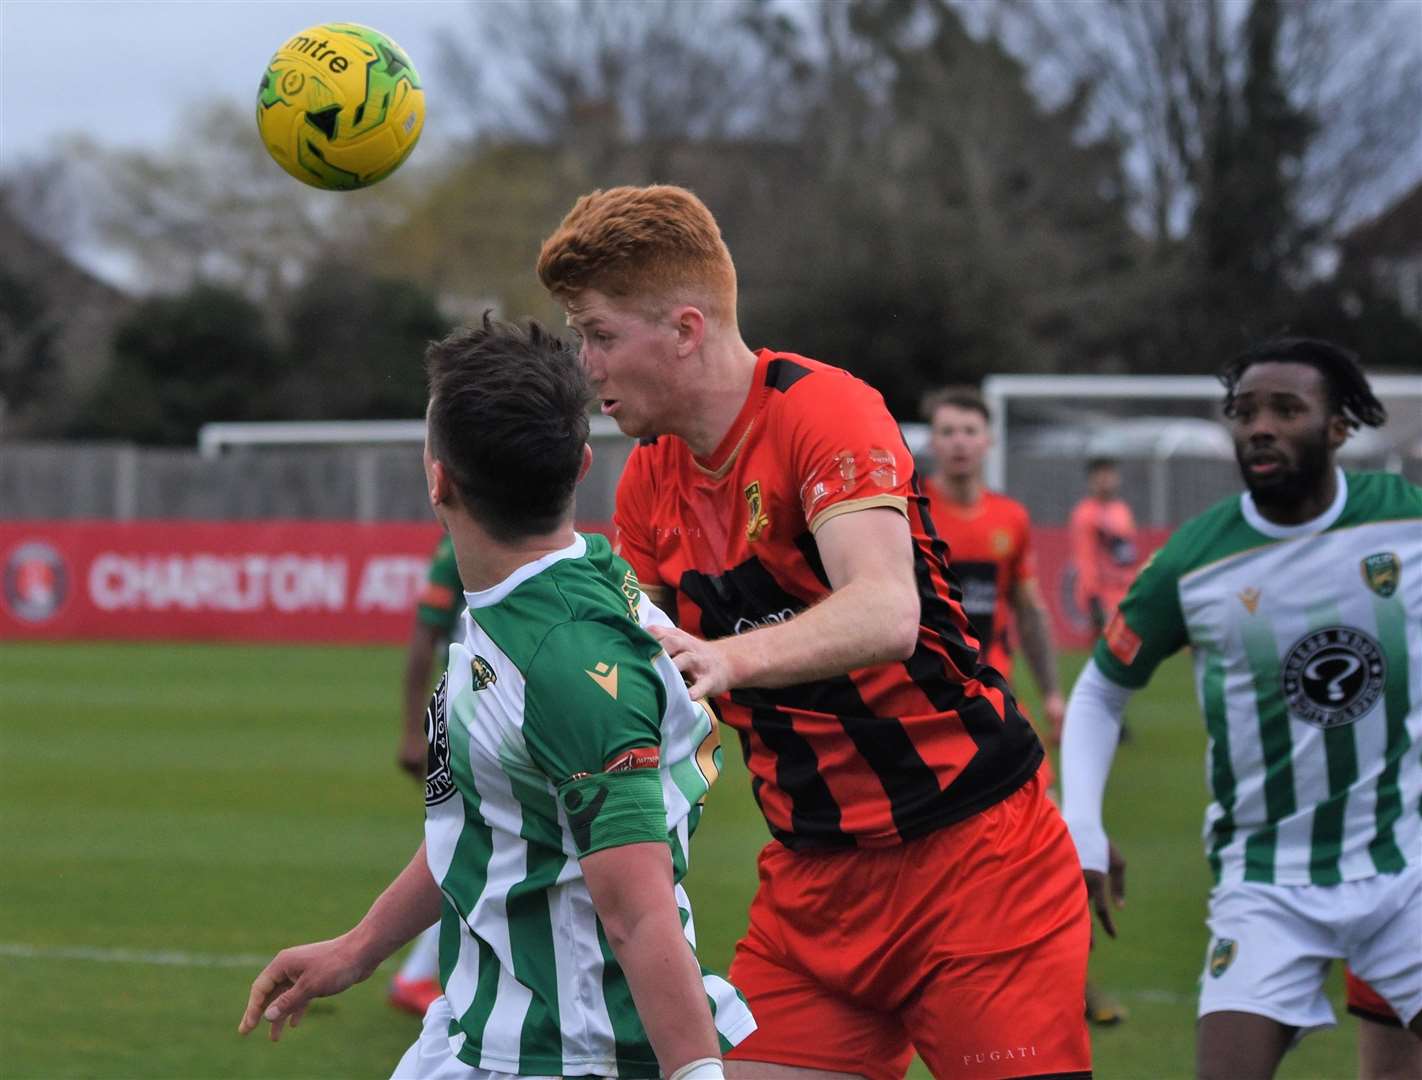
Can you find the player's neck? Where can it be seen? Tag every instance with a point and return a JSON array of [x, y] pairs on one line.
[[1306, 508], [711, 406], [961, 490], [484, 561]]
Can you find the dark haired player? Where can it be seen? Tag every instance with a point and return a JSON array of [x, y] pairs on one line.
[[920, 890], [1301, 600], [567, 765]]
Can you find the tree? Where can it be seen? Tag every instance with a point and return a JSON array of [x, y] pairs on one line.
[[211, 206], [180, 362], [27, 338], [357, 345], [954, 226], [1166, 76]]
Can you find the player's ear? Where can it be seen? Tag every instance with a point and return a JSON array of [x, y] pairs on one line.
[[587, 462], [441, 487], [1338, 431], [690, 325]]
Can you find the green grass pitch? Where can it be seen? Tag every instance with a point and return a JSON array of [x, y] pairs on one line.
[[205, 805]]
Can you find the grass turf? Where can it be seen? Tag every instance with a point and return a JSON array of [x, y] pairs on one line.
[[220, 802]]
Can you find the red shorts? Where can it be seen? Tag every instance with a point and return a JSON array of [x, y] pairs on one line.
[[1364, 1001], [968, 945]]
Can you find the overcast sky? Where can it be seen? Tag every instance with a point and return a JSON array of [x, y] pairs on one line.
[[123, 71]]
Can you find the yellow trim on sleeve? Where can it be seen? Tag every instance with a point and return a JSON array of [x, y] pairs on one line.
[[850, 506]]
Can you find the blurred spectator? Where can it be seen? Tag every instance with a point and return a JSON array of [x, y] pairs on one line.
[[1103, 543]]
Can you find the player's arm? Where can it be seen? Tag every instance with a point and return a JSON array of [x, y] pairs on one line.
[[285, 987], [870, 617], [1034, 629], [599, 742], [631, 887], [1092, 731], [425, 640], [1148, 627]]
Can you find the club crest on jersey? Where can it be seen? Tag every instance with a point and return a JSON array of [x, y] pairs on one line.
[[1333, 676], [1250, 599], [1381, 572], [483, 672], [1222, 955], [439, 780], [757, 521]]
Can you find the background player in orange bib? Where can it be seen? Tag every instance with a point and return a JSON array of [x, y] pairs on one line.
[[915, 894], [989, 537]]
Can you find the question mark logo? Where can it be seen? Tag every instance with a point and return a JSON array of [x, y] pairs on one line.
[[1333, 676], [1318, 671]]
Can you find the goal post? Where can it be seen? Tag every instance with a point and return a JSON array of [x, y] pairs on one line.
[[1167, 432]]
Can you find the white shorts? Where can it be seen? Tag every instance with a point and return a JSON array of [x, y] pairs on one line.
[[1271, 946], [432, 1058]]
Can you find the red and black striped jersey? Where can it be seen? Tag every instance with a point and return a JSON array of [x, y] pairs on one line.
[[878, 755], [991, 546]]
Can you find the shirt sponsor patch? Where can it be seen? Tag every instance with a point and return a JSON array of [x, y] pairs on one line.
[[640, 757], [1123, 642]]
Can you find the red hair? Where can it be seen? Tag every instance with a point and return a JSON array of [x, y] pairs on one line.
[[657, 244]]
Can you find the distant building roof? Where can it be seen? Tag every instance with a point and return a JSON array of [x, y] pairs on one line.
[[1395, 233]]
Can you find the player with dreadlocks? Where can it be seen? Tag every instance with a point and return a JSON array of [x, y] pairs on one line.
[[1301, 600]]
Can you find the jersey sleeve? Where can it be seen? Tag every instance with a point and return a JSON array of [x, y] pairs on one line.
[[441, 596], [845, 449], [632, 517], [592, 724], [1147, 627]]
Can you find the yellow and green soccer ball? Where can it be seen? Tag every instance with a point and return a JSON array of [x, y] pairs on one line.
[[340, 106]]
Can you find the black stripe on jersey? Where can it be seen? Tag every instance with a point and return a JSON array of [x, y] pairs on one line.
[[783, 374], [810, 551], [1009, 751], [978, 583], [814, 814]]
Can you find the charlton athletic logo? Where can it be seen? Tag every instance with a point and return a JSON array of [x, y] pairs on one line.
[[36, 582], [439, 781], [1333, 676]]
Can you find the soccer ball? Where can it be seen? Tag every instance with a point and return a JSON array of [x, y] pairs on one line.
[[340, 106]]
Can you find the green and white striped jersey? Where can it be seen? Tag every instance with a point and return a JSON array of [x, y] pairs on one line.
[[560, 728], [1307, 645]]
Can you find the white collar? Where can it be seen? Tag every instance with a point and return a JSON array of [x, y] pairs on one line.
[[492, 595], [1259, 523]]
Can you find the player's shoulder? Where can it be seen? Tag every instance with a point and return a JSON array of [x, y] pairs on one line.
[[1208, 537], [1380, 496], [796, 382], [1006, 509]]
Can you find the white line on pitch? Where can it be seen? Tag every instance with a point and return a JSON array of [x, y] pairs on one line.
[[131, 956], [217, 960]]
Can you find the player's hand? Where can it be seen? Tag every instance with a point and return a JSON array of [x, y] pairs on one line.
[[414, 754], [702, 664], [281, 993], [1107, 892], [1054, 710]]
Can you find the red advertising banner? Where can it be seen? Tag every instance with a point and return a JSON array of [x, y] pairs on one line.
[[285, 580], [1071, 626], [212, 581]]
